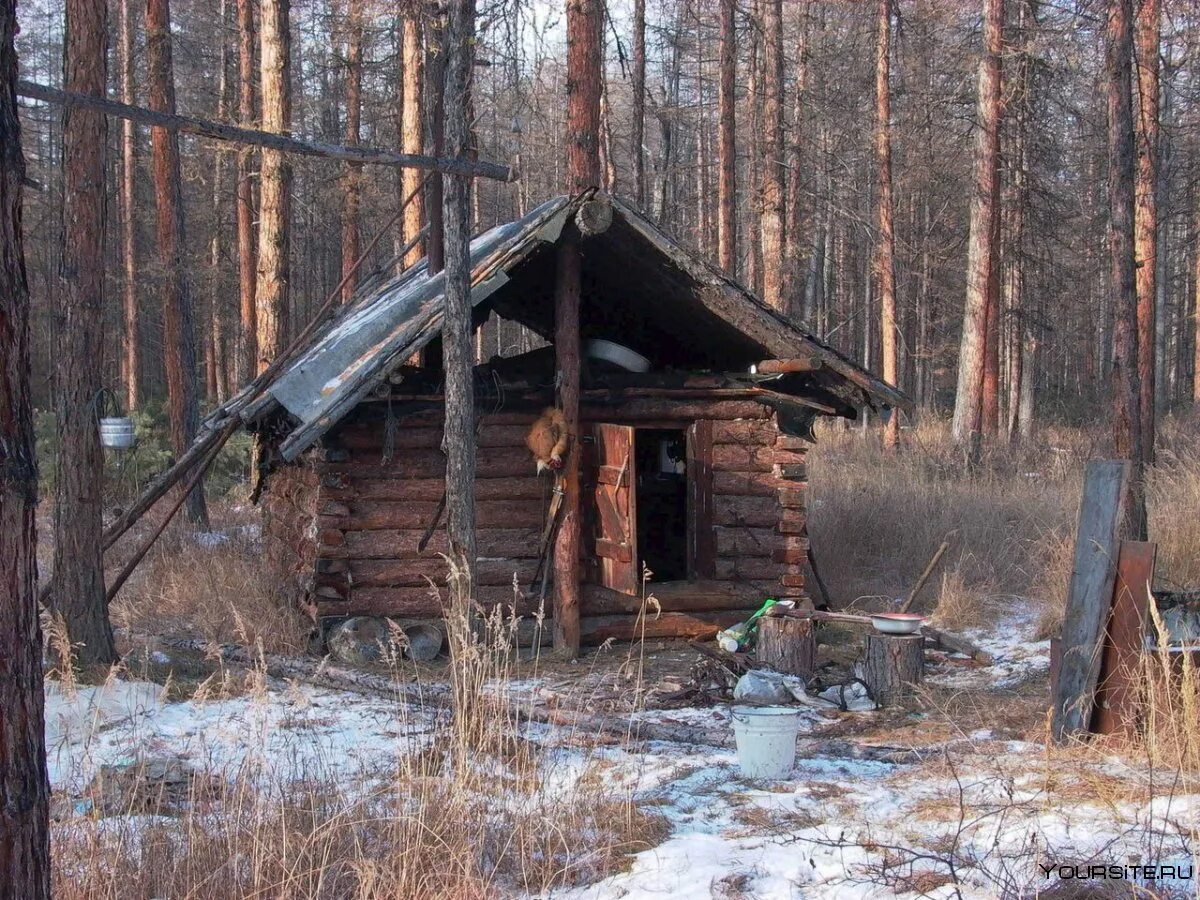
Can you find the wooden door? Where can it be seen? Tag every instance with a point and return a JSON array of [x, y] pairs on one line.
[[611, 482]]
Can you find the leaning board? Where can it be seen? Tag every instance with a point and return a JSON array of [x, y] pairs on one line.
[[1090, 595]]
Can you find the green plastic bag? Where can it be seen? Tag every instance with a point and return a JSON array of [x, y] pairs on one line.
[[743, 635]]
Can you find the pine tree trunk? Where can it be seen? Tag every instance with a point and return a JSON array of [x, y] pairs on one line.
[[796, 285], [1196, 312], [24, 786], [457, 356], [275, 185], [727, 145], [179, 341], [772, 235], [352, 180], [412, 130], [981, 251], [1127, 434], [131, 348], [638, 87], [1146, 213], [246, 239], [885, 248], [218, 384], [77, 594]]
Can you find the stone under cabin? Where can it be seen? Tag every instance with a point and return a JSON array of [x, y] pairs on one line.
[[697, 404]]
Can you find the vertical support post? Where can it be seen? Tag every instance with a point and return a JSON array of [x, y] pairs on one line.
[[566, 351], [585, 22]]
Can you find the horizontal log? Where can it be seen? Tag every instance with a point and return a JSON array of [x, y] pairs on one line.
[[793, 471], [509, 543], [793, 497], [793, 521], [671, 596], [286, 143], [418, 572], [754, 432], [791, 555], [370, 437], [414, 602], [760, 512], [792, 442], [372, 515], [741, 458], [754, 484], [694, 625], [496, 463], [517, 490], [756, 568], [674, 410], [747, 541]]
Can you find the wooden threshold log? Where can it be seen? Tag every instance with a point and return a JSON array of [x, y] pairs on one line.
[[787, 645], [671, 596], [694, 625], [892, 664], [285, 143]]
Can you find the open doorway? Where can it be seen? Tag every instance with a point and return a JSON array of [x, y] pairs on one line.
[[660, 456]]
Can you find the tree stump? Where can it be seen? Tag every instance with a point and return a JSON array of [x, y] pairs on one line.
[[892, 664], [787, 645]]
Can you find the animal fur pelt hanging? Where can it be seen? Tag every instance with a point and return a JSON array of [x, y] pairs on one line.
[[548, 439]]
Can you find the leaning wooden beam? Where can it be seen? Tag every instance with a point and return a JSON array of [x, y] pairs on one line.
[[234, 134]]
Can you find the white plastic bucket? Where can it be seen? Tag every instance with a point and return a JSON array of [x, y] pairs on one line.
[[766, 739]]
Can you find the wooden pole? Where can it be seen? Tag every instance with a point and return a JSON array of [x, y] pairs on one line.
[[282, 142], [584, 24]]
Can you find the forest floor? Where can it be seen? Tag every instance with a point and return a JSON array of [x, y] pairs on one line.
[[259, 772]]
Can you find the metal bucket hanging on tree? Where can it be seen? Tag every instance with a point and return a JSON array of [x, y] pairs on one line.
[[116, 432]]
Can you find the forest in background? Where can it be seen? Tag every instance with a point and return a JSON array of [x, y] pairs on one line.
[[806, 169]]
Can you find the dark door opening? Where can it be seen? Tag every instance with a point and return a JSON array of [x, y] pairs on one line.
[[660, 456]]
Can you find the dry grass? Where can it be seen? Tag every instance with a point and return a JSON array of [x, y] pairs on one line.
[[211, 587], [876, 518], [481, 810]]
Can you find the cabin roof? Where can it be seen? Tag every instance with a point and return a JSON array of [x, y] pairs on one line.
[[640, 288]]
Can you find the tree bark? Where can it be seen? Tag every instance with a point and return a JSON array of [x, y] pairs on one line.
[[435, 78], [352, 179], [457, 350], [638, 87], [1146, 213], [1196, 312], [275, 185], [78, 594], [131, 348], [891, 665], [179, 342], [584, 22], [771, 228], [1126, 393], [787, 645], [981, 249], [727, 145], [796, 283], [246, 238], [885, 246], [215, 370], [412, 129], [24, 786]]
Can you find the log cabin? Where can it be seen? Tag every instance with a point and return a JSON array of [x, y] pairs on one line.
[[697, 404]]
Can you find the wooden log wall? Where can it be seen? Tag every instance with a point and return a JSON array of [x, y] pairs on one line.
[[352, 519], [373, 512]]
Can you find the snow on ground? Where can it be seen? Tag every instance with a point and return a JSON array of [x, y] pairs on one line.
[[991, 810], [286, 730]]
